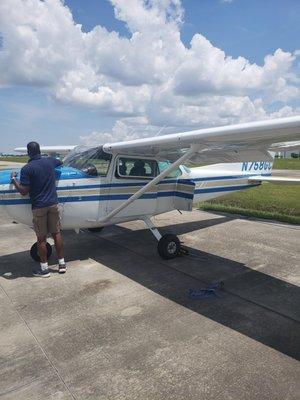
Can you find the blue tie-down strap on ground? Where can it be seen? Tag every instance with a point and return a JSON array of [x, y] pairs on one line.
[[212, 290]]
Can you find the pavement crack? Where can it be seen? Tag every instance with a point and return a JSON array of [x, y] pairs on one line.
[[18, 387]]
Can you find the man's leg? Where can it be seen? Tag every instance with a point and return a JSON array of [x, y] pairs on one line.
[[40, 227], [54, 229], [59, 244], [42, 248]]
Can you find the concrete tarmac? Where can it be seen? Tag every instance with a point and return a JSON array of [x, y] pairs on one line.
[[10, 165], [120, 325]]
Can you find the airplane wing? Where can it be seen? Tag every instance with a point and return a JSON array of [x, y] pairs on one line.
[[62, 150], [233, 143]]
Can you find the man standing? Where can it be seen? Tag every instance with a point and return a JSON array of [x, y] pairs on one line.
[[37, 179]]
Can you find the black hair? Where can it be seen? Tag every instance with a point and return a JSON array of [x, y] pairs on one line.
[[33, 149]]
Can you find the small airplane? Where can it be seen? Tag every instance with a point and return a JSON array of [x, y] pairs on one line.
[[135, 180]]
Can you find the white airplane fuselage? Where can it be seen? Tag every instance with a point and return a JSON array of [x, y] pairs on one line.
[[86, 200]]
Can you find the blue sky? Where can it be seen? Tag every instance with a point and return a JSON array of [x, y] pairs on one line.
[[248, 28], [30, 111]]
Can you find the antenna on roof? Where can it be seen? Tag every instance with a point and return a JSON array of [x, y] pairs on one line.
[[160, 130]]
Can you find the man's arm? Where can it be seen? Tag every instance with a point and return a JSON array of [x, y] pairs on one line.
[[59, 162], [56, 162], [24, 190]]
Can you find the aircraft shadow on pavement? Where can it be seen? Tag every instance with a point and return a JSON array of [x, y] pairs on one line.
[[178, 229], [252, 303], [18, 265]]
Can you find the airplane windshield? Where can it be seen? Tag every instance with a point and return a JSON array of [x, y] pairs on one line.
[[92, 161]]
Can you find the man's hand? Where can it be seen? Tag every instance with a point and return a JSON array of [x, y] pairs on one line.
[[13, 177], [23, 190]]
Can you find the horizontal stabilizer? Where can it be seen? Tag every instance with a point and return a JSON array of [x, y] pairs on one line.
[[49, 149], [286, 146], [275, 179]]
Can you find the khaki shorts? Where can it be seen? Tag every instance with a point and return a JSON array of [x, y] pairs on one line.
[[46, 220]]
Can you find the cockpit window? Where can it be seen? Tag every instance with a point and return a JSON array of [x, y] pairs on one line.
[[92, 161], [136, 167]]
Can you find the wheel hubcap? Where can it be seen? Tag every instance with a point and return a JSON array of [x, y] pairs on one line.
[[172, 247]]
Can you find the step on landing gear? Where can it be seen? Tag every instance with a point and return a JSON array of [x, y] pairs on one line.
[[34, 251], [168, 246]]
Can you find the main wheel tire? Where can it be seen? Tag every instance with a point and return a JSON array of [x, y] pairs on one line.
[[96, 230], [34, 252], [168, 246]]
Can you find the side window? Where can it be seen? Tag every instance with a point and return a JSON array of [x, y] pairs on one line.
[[164, 165], [136, 167]]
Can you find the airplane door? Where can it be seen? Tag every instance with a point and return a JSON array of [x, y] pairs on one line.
[[78, 198], [129, 174]]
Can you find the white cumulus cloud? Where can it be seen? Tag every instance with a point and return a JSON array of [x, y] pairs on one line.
[[147, 80]]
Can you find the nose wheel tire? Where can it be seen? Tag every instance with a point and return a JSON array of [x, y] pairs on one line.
[[168, 246], [34, 252]]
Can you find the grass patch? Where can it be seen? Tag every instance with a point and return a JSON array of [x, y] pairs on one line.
[[277, 202], [251, 213], [286, 163], [20, 159]]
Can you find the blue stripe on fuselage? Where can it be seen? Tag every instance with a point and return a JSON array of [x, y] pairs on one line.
[[74, 199], [220, 178], [224, 189], [127, 196], [188, 181]]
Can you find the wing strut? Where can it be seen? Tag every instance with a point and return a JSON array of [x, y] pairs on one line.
[[153, 182]]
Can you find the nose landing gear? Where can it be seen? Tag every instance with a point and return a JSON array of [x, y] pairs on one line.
[[34, 252]]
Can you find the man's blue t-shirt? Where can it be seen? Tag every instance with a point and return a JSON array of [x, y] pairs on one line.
[[39, 175]]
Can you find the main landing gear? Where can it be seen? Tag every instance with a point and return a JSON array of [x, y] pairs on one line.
[[96, 230], [34, 252], [168, 246]]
